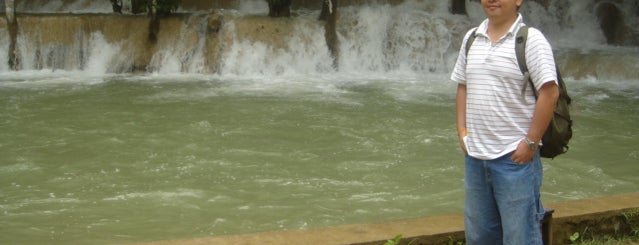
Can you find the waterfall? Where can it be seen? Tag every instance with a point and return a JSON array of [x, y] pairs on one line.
[[101, 56], [50, 47], [64, 6], [255, 50], [398, 38], [183, 53], [4, 47], [410, 38]]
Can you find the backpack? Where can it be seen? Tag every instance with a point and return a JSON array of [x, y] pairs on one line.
[[559, 131]]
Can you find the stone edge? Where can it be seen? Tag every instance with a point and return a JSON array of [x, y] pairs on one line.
[[568, 217]]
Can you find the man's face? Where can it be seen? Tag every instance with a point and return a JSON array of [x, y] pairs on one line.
[[500, 8]]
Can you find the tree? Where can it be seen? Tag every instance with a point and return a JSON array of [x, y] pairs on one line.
[[117, 6], [329, 15], [12, 25], [10, 10], [458, 6], [158, 9], [163, 7], [279, 8]]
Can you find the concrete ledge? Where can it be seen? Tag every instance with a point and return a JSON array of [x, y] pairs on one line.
[[601, 216], [434, 226]]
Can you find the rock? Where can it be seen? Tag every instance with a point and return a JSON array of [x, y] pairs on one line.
[[611, 22]]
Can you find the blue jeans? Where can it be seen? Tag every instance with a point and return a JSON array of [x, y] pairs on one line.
[[503, 203]]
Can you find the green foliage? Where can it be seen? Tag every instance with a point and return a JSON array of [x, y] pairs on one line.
[[278, 2], [451, 242], [588, 238], [395, 240], [574, 237], [164, 7], [632, 219], [608, 240]]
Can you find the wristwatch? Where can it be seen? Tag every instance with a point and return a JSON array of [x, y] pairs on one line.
[[531, 144]]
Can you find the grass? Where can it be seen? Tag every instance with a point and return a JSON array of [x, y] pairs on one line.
[[608, 240], [631, 218]]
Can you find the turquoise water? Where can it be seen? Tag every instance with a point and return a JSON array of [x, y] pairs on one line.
[[129, 158]]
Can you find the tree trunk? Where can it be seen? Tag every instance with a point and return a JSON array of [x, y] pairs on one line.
[[10, 10], [12, 25], [117, 6], [329, 15], [138, 6], [279, 8], [458, 7], [154, 24]]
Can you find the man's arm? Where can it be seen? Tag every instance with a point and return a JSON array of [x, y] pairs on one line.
[[461, 115], [544, 108]]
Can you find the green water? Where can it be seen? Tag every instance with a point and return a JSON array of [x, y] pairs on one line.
[[140, 158]]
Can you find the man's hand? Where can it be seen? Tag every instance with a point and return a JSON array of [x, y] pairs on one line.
[[523, 154], [462, 144]]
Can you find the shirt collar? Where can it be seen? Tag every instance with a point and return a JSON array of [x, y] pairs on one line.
[[483, 27]]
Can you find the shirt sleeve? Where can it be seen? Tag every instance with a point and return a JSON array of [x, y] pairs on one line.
[[459, 71], [540, 59]]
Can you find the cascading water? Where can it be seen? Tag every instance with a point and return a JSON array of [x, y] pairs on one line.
[[413, 37], [63, 6], [4, 49], [399, 38], [187, 51], [90, 54], [235, 123], [302, 50]]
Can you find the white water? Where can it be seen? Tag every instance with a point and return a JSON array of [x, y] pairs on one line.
[[411, 39], [4, 47], [400, 39], [277, 138], [60, 6], [252, 7], [183, 57]]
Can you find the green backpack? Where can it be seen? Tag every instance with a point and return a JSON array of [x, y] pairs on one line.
[[559, 131]]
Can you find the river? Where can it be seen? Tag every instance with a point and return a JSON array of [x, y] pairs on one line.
[[89, 156]]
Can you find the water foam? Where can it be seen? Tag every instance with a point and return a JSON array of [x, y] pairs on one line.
[[411, 41], [60, 6], [101, 55], [252, 7], [184, 54], [305, 52]]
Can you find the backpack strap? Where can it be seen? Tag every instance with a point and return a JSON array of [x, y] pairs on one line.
[[470, 41], [520, 50]]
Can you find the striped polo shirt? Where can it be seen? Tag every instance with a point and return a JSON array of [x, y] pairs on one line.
[[497, 117]]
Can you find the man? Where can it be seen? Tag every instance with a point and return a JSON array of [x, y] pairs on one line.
[[500, 130]]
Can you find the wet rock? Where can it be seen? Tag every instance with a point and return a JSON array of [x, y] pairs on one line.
[[611, 22], [458, 7]]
